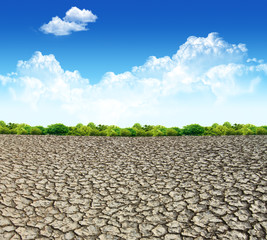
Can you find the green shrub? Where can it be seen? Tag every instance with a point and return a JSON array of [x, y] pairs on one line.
[[193, 130], [178, 130], [84, 131], [220, 130], [21, 131], [159, 130], [94, 132], [101, 127], [12, 125], [133, 131], [4, 130], [239, 132], [237, 126], [125, 133], [57, 129], [149, 133], [148, 127], [230, 131], [42, 129], [12, 131], [112, 133], [157, 133], [247, 131], [171, 132], [261, 131], [103, 133], [36, 131], [140, 132], [73, 131], [117, 130]]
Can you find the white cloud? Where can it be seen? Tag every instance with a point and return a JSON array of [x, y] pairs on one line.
[[201, 67], [75, 20], [77, 15], [59, 27]]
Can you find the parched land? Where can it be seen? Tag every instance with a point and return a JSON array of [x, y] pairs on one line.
[[54, 187]]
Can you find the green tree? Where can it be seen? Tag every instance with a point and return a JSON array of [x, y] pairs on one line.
[[193, 130], [227, 124], [79, 125], [57, 129], [91, 125], [137, 126], [2, 124]]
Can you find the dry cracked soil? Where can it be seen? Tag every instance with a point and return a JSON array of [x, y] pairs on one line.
[[67, 187]]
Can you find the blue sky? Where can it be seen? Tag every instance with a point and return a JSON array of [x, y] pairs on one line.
[[154, 62]]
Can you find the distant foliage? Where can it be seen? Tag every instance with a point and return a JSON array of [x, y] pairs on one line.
[[36, 131], [137, 130], [4, 130], [193, 130], [261, 131], [57, 129], [137, 126], [171, 132], [125, 133], [91, 125], [2, 124]]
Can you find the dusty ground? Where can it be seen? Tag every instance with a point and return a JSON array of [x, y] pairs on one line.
[[133, 188]]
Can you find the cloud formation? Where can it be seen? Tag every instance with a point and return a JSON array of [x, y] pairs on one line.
[[75, 20], [161, 86]]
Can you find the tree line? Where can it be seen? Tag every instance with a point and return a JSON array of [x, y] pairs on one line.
[[135, 131]]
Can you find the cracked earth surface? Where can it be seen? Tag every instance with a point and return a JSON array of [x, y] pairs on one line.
[[54, 187]]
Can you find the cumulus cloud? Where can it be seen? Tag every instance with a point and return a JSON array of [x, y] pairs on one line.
[[201, 66], [75, 20], [77, 15]]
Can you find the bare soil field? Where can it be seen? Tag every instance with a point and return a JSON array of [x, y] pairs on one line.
[[67, 187]]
